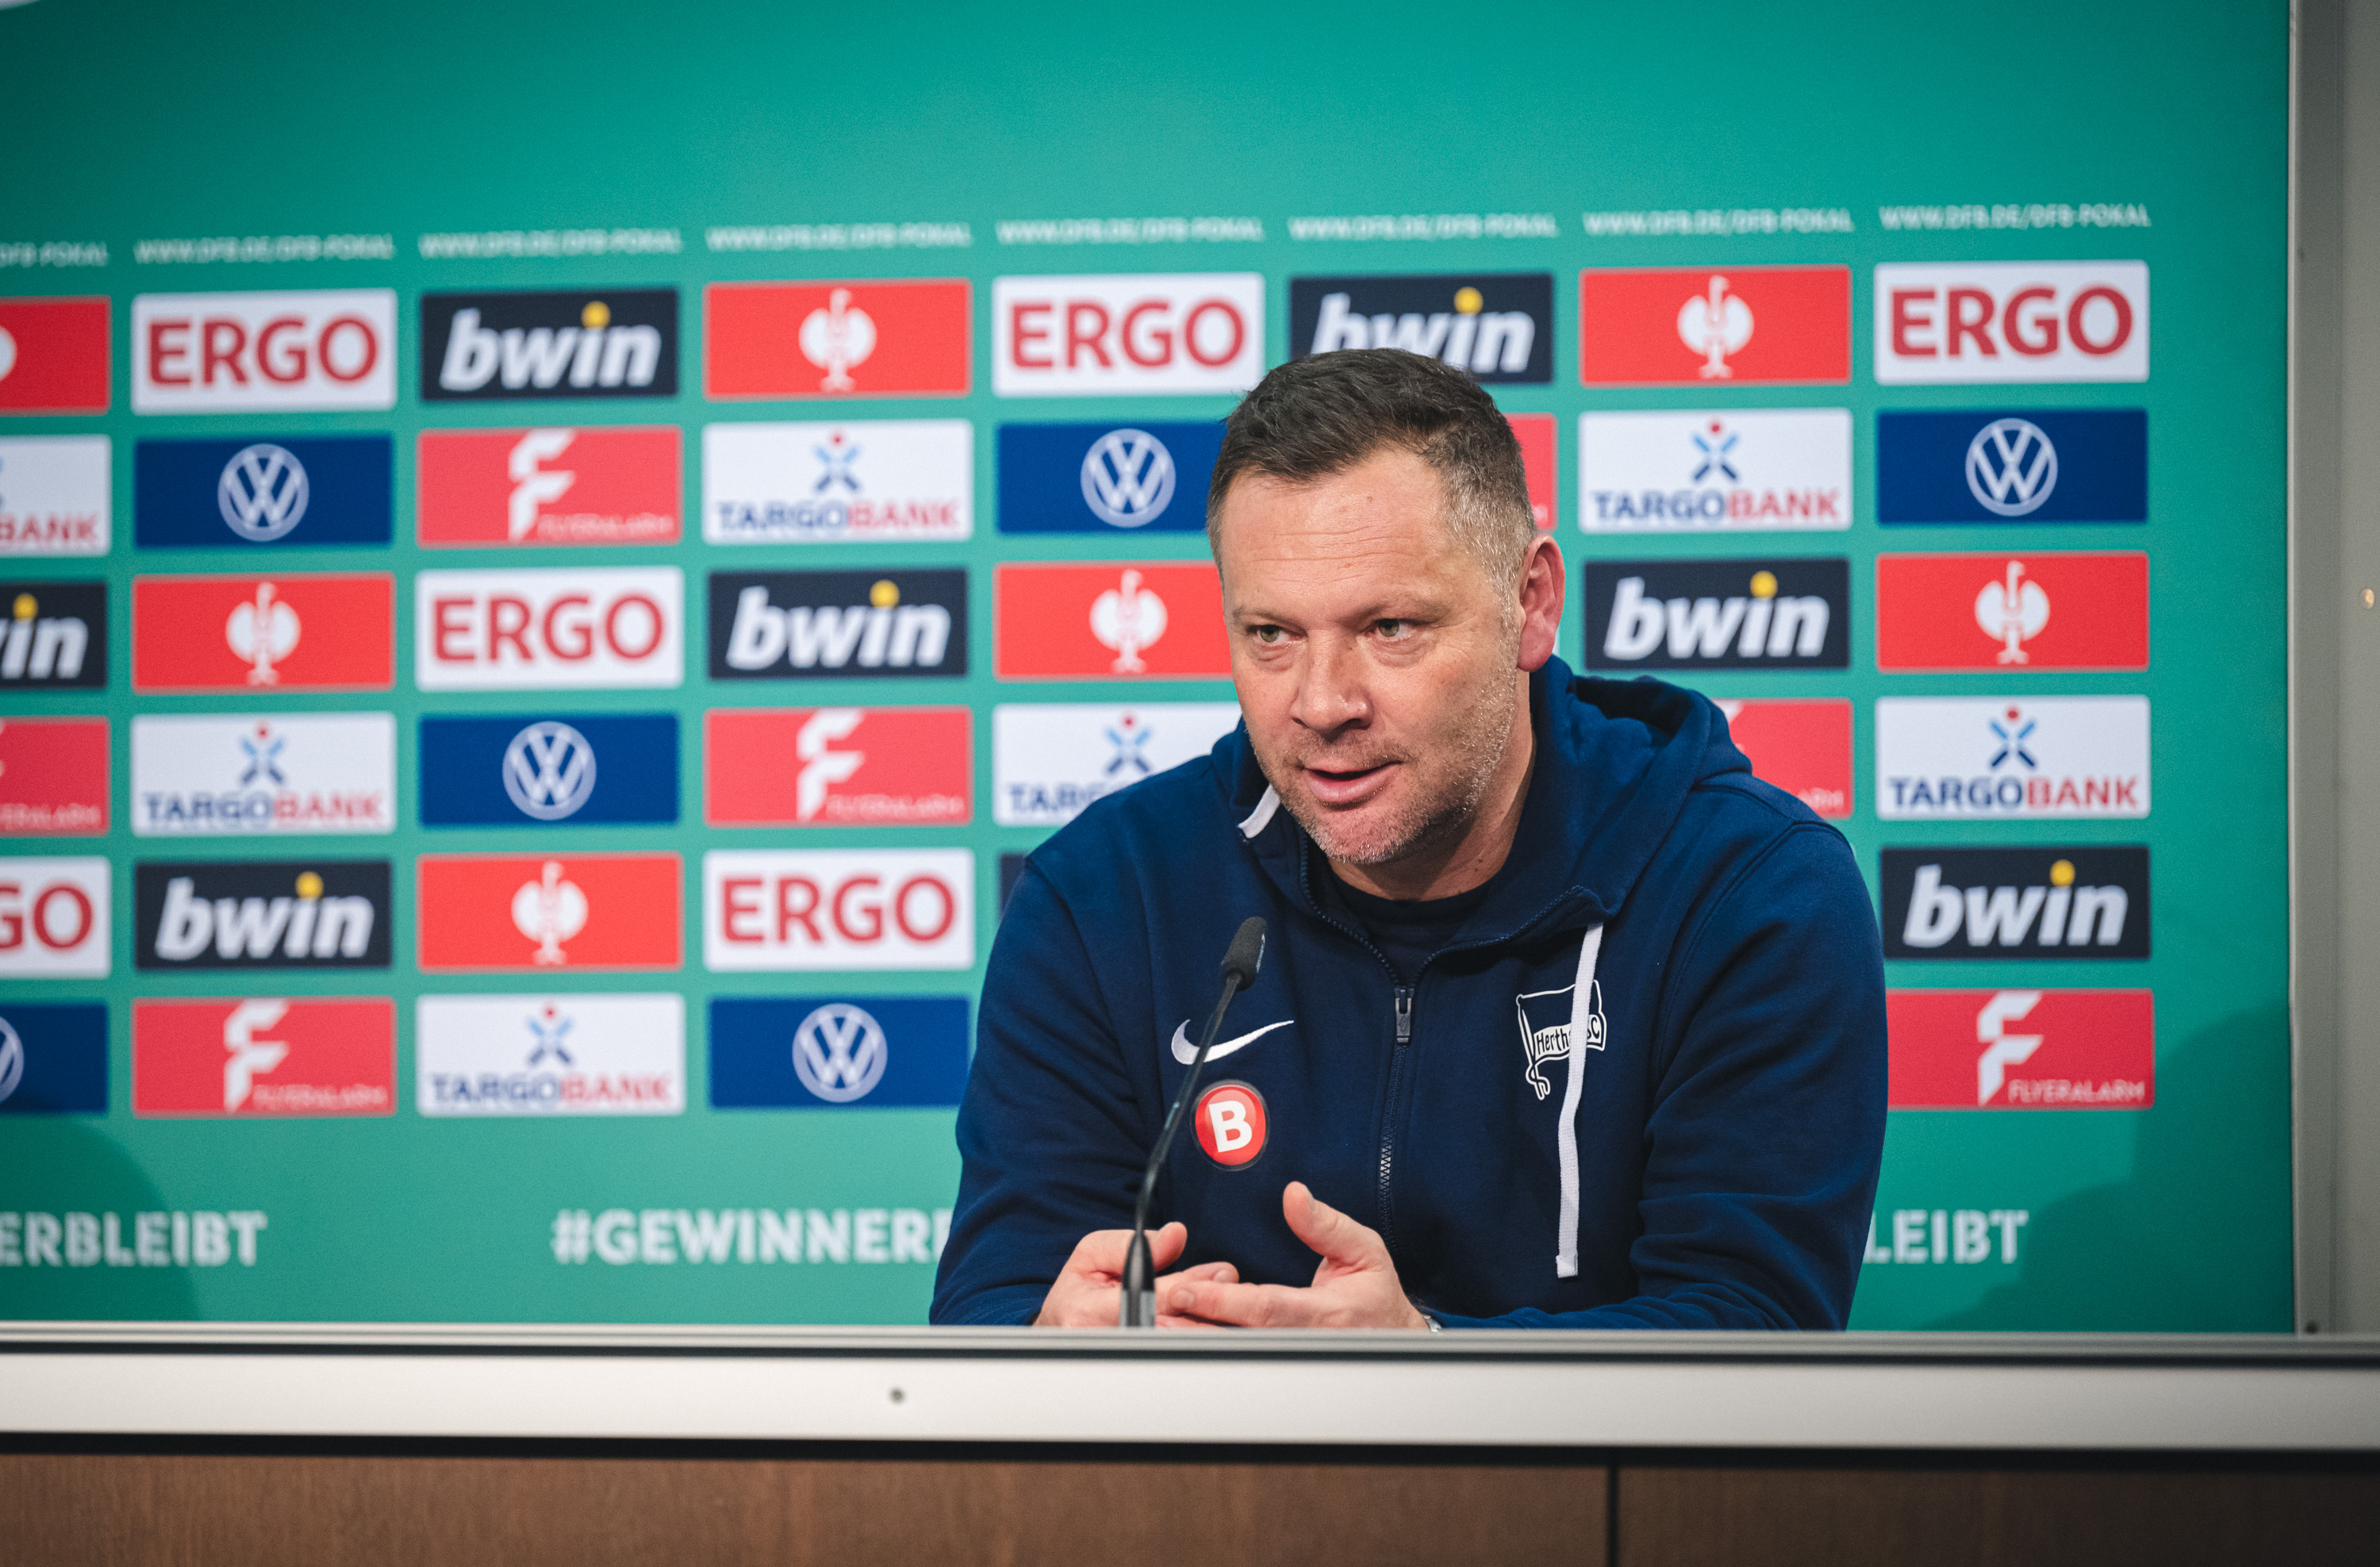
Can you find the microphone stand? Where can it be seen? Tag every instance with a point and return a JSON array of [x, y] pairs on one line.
[[1138, 1308]]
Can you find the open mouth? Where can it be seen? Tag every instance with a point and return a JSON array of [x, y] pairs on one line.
[[1346, 786]]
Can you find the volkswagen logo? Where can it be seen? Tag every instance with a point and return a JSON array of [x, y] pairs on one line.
[[2011, 466], [12, 1061], [549, 771], [1128, 478], [839, 1052], [261, 493]]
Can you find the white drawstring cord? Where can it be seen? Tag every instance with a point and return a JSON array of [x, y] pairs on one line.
[[1566, 1134]]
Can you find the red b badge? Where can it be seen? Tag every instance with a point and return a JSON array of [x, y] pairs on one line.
[[1231, 1117]]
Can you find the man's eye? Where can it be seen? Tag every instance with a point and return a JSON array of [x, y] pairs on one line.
[[1393, 630], [1267, 635]]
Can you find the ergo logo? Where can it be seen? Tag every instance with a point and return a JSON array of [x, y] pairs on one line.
[[313, 348], [838, 909], [1159, 331], [54, 917], [2012, 320], [608, 626]]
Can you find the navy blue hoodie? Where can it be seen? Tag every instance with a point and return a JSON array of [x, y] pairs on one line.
[[1726, 1112]]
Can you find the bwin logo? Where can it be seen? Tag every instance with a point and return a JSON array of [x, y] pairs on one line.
[[1760, 624], [2011, 466], [1469, 337], [2068, 916], [38, 646], [593, 353], [307, 926], [262, 492], [549, 771], [1128, 477], [881, 634]]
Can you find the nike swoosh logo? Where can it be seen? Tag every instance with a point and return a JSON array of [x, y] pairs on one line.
[[1185, 1052]]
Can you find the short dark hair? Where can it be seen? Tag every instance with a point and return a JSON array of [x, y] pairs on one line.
[[1323, 413]]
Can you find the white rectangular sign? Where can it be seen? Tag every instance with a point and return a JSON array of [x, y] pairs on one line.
[[1970, 321], [53, 920], [547, 629], [54, 493], [1971, 758], [549, 1055], [1127, 333], [1050, 760], [1722, 471], [838, 909], [241, 353], [859, 480], [263, 773]]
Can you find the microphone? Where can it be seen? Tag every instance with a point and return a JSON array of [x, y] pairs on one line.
[[1241, 962]]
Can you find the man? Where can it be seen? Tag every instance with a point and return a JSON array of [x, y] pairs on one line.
[[1566, 1020]]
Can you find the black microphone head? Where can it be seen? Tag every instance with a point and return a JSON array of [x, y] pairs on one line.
[[1247, 953]]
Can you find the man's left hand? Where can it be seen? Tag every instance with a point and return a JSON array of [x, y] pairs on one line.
[[1355, 1286]]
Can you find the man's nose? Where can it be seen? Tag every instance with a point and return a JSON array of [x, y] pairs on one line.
[[1330, 689]]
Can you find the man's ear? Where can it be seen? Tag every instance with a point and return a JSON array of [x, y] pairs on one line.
[[1542, 578]]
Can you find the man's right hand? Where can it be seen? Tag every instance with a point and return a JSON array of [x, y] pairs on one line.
[[1089, 1289]]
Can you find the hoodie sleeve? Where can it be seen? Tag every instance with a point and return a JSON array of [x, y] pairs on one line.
[[1050, 1128], [1767, 1128]]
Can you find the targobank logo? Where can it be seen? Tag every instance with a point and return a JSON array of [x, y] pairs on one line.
[[2032, 903], [613, 343], [1050, 760], [2012, 464], [549, 1055], [528, 769], [778, 1052], [271, 773], [1785, 613], [54, 494], [319, 489], [1104, 478], [1974, 757], [816, 482], [1743, 468]]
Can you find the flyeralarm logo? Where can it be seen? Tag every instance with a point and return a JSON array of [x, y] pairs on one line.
[[884, 338], [54, 356], [549, 1055], [2026, 902], [1801, 746], [1766, 613], [548, 628], [2012, 320], [302, 1055], [830, 910], [2022, 1050], [838, 767], [55, 637], [864, 481], [1497, 327], [263, 773], [2012, 612], [552, 486], [1151, 619], [1743, 468], [1050, 760], [549, 343], [1695, 327], [289, 631], [1538, 465], [837, 625], [260, 914], [54, 494], [52, 775], [533, 913], [324, 348], [1974, 757], [53, 918], [1127, 335]]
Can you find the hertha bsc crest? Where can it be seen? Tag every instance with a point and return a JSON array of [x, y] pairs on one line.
[[1545, 1028]]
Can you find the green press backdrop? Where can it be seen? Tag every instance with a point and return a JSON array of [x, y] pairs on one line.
[[432, 148]]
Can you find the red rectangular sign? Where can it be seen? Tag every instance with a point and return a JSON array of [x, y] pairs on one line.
[[554, 486], [304, 1055], [1803, 746], [2022, 1050], [52, 775], [1127, 620], [332, 632], [1714, 326], [54, 356], [870, 339], [541, 913], [2012, 612], [1535, 435], [837, 767]]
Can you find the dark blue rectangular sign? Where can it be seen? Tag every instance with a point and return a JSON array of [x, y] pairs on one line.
[[776, 1052], [2012, 464], [54, 1058], [1106, 478], [288, 490], [533, 770]]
